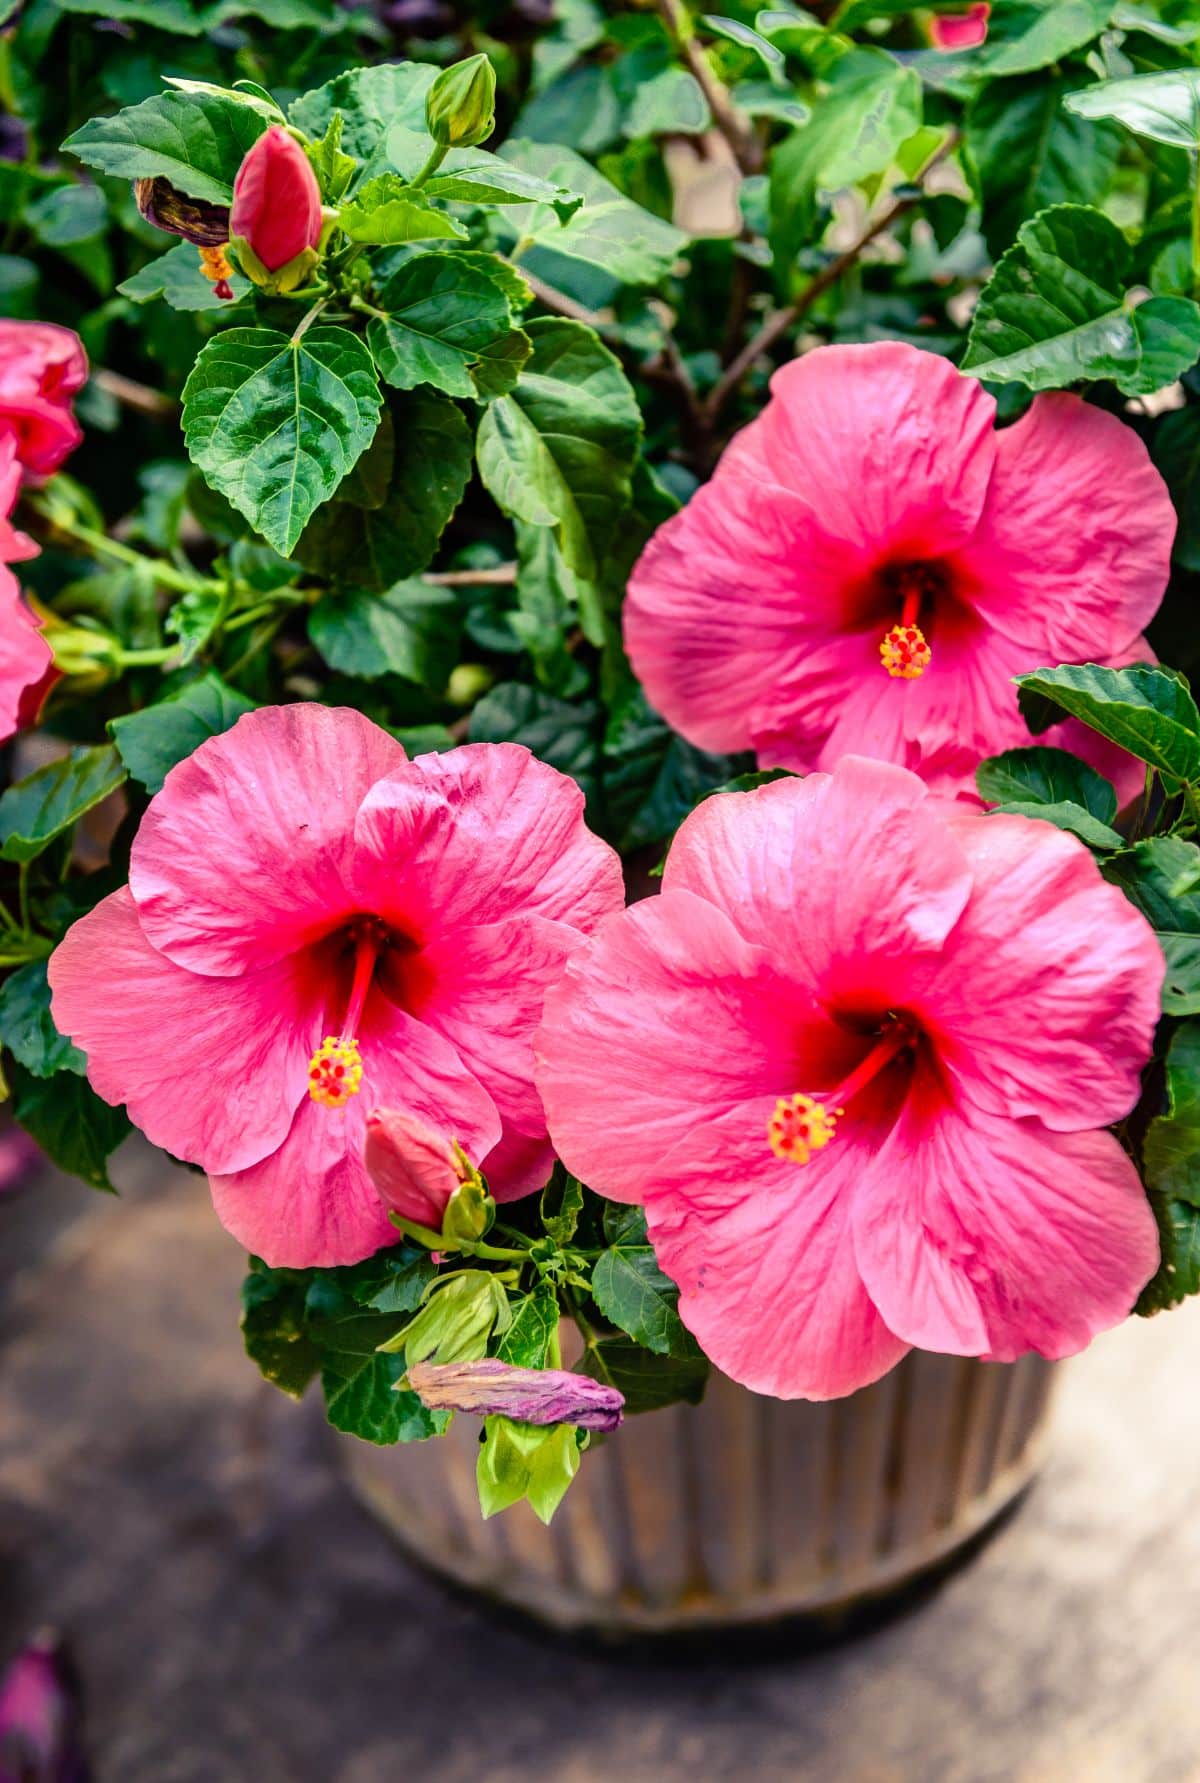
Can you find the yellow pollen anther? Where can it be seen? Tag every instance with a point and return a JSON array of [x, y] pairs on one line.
[[335, 1071], [799, 1127], [905, 652], [214, 264]]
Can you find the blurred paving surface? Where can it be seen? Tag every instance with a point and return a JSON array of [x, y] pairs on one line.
[[239, 1619]]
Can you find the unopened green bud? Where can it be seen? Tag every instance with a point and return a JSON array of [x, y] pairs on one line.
[[460, 107], [468, 683], [470, 1212]]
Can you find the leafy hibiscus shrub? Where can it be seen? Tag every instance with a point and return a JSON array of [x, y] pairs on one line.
[[738, 464]]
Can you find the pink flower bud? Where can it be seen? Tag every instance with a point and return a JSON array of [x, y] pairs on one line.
[[276, 200], [39, 1717], [964, 30], [413, 1168], [532, 1395]]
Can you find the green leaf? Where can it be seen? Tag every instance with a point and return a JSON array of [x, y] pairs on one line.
[[1148, 711], [1024, 35], [1055, 311], [1176, 450], [448, 325], [412, 630], [273, 1327], [768, 53], [648, 1382], [632, 1292], [1178, 1274], [671, 103], [196, 140], [275, 423], [1172, 1146], [560, 450], [406, 1274], [473, 176], [70, 1122], [561, 1206], [192, 620], [456, 1321], [560, 732], [1043, 776], [1028, 153], [386, 213], [27, 1028], [374, 548], [176, 275], [1164, 106], [528, 1461], [1148, 874], [527, 1342], [609, 231], [53, 798], [370, 100], [361, 1399], [653, 778], [152, 741]]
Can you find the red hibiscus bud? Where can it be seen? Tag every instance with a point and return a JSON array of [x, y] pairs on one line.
[[414, 1169], [275, 223], [531, 1395]]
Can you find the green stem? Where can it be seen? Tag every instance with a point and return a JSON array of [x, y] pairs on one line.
[[437, 1241], [23, 897], [132, 659], [437, 155], [1191, 801], [165, 574], [306, 321]]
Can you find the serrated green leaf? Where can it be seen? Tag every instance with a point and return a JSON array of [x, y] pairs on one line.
[[196, 140], [1055, 311], [387, 213], [27, 1028], [633, 1293], [609, 231], [370, 100], [1065, 815], [70, 1122], [560, 450], [411, 630], [53, 798], [1043, 776], [1172, 1145], [1148, 873], [561, 1206], [527, 1342], [1147, 711], [192, 620], [652, 777], [473, 176], [374, 548], [274, 423], [1028, 153], [404, 1275], [361, 1399], [1164, 106], [525, 1461], [447, 325], [176, 276], [150, 742]]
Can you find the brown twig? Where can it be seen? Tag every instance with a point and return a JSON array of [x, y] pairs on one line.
[[134, 395], [778, 324], [499, 575], [738, 133], [554, 299]]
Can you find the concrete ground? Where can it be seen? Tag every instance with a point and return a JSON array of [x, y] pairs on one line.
[[238, 1618]]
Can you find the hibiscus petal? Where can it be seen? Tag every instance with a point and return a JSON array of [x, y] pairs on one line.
[[25, 656], [212, 1069], [979, 1235], [762, 1254], [247, 853], [1074, 548], [665, 1019], [312, 1203], [839, 872], [1046, 999], [483, 989], [484, 832]]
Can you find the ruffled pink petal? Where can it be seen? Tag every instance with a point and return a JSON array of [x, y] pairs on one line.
[[479, 834], [483, 989], [41, 367], [980, 1235], [663, 1021], [412, 1167], [1073, 550], [762, 1253], [838, 876], [1045, 1000], [14, 545], [312, 1202], [25, 656], [212, 1069], [248, 852]]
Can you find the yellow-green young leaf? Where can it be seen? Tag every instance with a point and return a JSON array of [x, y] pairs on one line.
[[528, 1461], [1165, 106], [1056, 310], [196, 140], [275, 423], [1172, 1149], [560, 450], [47, 802], [1148, 874], [386, 213], [447, 325], [1148, 711]]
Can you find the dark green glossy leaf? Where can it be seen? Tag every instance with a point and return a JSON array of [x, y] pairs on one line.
[[411, 630], [1043, 776], [1176, 451], [273, 1328], [53, 798], [448, 325], [647, 1381], [152, 741], [1164, 106], [1147, 711], [633, 1293], [361, 1399], [196, 140], [1148, 874], [27, 1028], [1178, 1274], [563, 733], [70, 1122], [1172, 1145], [1028, 153], [177, 277]]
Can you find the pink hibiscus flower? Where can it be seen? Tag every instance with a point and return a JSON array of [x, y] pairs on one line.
[[964, 30], [873, 562], [856, 1059], [26, 663], [42, 367], [315, 925]]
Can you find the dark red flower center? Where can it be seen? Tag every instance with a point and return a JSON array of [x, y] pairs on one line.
[[914, 588], [802, 1124], [335, 1069]]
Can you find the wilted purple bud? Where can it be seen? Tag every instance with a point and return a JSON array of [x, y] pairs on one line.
[[207, 225], [531, 1395], [39, 1717]]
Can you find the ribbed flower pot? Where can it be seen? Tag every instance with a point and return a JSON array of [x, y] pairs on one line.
[[739, 1511]]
